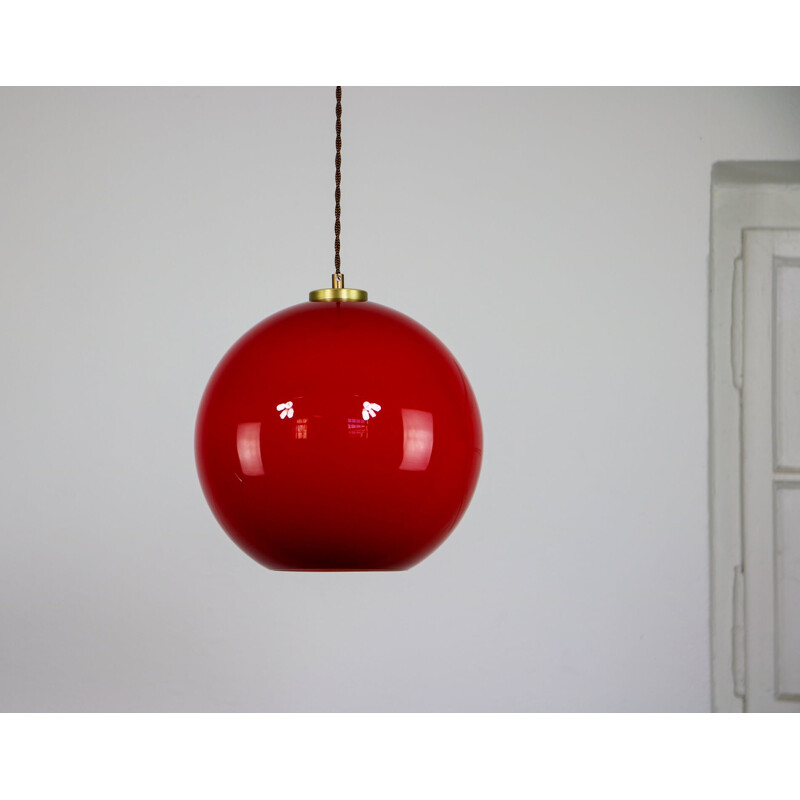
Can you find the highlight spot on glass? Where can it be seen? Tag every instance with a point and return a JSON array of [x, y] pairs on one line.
[[285, 409], [370, 410], [417, 439], [248, 446]]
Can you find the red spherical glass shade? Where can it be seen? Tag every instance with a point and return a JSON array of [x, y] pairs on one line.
[[338, 436]]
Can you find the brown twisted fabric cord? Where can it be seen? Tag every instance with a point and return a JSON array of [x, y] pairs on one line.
[[337, 227]]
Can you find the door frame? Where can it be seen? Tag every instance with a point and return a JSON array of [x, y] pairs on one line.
[[744, 194]]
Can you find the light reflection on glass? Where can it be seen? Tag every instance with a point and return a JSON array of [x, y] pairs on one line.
[[357, 428], [248, 446], [417, 439], [369, 410], [301, 428], [285, 409]]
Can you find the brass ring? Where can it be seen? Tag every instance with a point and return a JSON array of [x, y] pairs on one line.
[[337, 295]]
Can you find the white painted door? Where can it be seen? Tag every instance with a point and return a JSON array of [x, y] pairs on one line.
[[770, 381]]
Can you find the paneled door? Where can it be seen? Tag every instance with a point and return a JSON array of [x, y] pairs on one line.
[[767, 362]]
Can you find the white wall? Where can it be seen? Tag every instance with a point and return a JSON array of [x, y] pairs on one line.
[[555, 240]]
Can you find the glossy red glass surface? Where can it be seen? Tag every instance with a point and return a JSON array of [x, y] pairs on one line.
[[338, 436]]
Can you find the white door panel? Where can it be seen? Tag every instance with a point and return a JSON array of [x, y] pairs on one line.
[[771, 468], [787, 594], [754, 388], [787, 364]]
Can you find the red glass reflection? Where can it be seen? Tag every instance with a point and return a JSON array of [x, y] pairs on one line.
[[338, 436], [248, 446], [417, 439]]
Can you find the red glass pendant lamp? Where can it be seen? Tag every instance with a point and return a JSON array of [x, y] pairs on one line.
[[338, 434]]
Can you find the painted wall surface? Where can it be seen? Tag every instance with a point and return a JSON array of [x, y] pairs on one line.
[[554, 239]]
